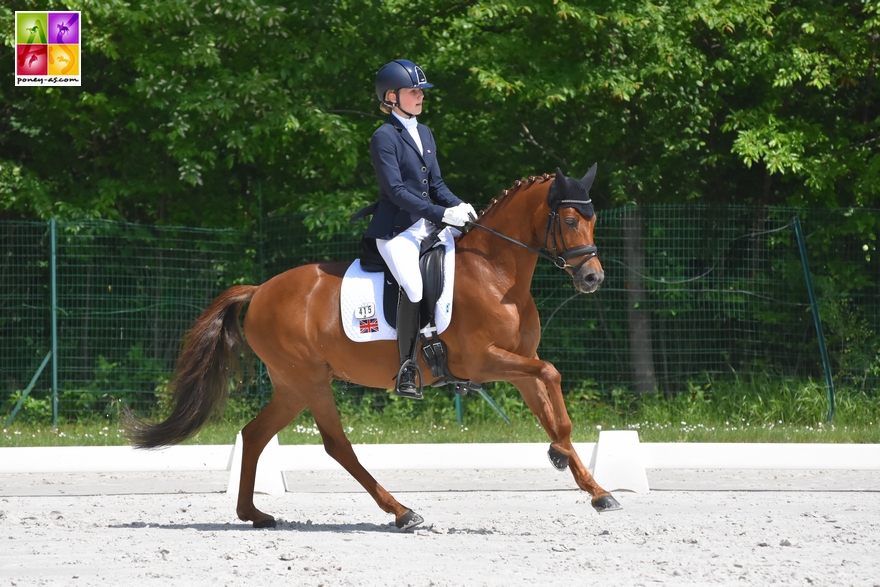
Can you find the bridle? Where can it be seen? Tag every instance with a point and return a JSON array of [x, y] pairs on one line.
[[553, 234]]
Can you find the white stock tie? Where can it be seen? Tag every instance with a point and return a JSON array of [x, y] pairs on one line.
[[412, 126]]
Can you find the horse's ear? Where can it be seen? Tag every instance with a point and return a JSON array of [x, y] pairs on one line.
[[561, 183], [588, 179]]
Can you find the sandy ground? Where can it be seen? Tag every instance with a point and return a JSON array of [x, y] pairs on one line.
[[500, 527]]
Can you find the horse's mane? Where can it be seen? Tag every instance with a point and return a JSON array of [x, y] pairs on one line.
[[517, 186]]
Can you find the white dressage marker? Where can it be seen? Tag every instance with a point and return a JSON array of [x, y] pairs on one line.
[[617, 462]]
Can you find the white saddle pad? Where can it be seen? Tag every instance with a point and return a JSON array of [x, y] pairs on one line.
[[360, 301]]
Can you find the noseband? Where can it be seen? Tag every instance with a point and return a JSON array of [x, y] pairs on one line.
[[553, 234]]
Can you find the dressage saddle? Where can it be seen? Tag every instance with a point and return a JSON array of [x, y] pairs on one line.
[[431, 262]]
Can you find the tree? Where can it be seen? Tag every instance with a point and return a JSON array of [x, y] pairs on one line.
[[187, 105], [204, 113]]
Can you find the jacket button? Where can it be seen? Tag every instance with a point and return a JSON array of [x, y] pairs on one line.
[[424, 194], [425, 181], [424, 169]]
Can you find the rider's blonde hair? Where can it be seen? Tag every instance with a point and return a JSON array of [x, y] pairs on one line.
[[385, 107]]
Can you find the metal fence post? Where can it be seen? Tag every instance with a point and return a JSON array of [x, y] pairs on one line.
[[54, 308], [261, 261], [826, 364]]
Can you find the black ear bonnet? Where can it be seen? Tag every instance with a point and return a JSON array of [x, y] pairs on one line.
[[567, 192]]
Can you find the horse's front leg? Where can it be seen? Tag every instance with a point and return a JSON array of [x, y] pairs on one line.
[[562, 453], [539, 383]]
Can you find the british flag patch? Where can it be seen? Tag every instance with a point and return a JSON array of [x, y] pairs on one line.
[[369, 325]]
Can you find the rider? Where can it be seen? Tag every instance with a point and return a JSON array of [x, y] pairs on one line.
[[413, 199]]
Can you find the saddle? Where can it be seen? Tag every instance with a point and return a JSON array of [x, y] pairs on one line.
[[431, 263]]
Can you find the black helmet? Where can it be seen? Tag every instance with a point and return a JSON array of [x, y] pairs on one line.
[[400, 73]]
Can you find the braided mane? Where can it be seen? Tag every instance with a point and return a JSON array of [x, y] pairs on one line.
[[516, 187]]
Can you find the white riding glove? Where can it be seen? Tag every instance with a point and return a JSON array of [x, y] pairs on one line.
[[455, 216], [468, 210]]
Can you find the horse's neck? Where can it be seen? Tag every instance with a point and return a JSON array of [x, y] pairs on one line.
[[512, 265]]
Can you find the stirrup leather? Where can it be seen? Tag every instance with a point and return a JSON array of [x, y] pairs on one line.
[[434, 353]]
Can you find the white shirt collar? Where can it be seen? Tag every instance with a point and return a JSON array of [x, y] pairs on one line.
[[408, 123]]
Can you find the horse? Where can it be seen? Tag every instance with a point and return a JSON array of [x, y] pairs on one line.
[[293, 325]]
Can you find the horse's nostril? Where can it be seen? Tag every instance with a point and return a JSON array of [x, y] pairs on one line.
[[592, 279]]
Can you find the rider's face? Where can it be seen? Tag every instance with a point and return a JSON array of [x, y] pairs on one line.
[[410, 100]]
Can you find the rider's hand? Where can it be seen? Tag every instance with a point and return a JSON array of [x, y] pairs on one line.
[[455, 216], [468, 210]]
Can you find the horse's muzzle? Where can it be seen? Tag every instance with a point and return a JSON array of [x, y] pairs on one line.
[[587, 280]]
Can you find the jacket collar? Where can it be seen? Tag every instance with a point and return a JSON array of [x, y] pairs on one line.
[[393, 120]]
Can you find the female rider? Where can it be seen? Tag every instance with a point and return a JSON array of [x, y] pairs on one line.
[[413, 199]]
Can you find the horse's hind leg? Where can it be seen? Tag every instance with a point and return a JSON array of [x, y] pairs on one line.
[[277, 414], [337, 445]]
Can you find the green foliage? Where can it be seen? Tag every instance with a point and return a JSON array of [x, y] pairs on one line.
[[757, 402], [241, 408], [329, 215], [134, 373], [37, 406], [855, 347], [187, 107], [761, 410]]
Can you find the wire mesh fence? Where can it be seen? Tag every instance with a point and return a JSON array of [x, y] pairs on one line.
[[691, 293], [127, 293], [24, 320]]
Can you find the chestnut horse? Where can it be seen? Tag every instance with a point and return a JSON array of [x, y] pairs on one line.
[[294, 325]]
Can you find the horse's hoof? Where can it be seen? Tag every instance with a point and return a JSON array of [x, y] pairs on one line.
[[268, 523], [606, 503], [408, 520], [557, 459]]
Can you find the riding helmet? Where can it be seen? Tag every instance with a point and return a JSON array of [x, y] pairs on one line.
[[400, 73]]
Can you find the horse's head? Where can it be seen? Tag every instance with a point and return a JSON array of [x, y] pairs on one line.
[[569, 232], [562, 221]]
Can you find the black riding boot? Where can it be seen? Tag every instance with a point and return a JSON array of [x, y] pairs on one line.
[[407, 336]]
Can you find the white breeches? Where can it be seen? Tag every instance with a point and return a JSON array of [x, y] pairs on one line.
[[401, 253]]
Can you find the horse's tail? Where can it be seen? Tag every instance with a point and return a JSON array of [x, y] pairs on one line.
[[200, 384]]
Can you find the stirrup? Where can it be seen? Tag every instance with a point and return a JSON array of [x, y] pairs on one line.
[[416, 392]]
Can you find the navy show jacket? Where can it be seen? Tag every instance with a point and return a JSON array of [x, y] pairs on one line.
[[410, 184]]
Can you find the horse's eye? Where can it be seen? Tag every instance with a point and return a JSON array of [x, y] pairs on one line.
[[571, 221]]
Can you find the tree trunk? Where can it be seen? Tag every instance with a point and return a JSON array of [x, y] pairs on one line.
[[641, 355]]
